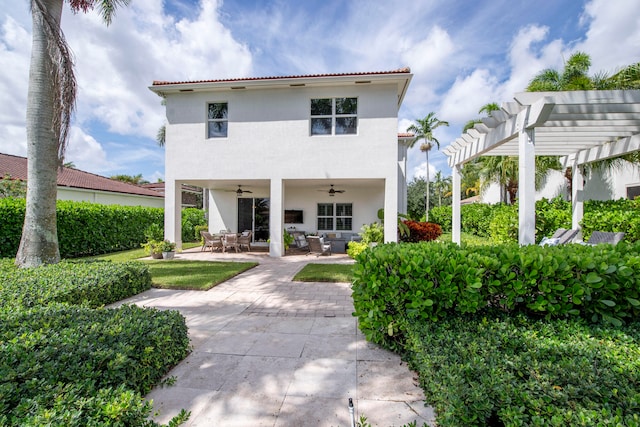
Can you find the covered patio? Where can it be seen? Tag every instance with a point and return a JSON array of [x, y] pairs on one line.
[[579, 126]]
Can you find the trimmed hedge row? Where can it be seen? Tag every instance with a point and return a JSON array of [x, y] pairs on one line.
[[500, 222], [84, 228], [92, 284], [64, 363], [515, 371], [397, 284], [75, 366]]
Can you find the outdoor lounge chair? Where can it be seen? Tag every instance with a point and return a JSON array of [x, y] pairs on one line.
[[605, 237], [300, 241], [210, 241], [230, 240], [318, 246], [562, 236], [245, 240]]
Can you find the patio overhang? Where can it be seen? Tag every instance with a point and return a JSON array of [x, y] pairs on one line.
[[579, 126]]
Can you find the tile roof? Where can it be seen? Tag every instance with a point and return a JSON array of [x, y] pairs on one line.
[[405, 135], [405, 70], [16, 166]]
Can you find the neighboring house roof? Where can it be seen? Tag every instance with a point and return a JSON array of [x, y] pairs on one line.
[[16, 167], [159, 187]]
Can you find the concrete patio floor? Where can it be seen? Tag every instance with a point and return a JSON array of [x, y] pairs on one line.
[[268, 351]]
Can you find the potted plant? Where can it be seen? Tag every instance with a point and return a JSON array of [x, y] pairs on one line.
[[168, 249], [153, 248]]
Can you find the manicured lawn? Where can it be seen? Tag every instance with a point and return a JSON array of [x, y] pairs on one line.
[[325, 273], [132, 254], [196, 275]]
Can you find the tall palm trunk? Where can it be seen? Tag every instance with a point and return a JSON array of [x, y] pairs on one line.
[[39, 243], [426, 204]]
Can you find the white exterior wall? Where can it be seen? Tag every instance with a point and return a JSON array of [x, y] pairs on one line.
[[106, 198], [269, 141], [607, 185]]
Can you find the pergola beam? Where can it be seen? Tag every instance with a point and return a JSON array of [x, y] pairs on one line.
[[582, 126]]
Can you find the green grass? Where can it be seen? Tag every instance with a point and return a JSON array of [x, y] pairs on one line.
[[194, 275], [132, 254], [325, 273]]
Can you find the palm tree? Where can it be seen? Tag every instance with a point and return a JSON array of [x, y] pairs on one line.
[[50, 105], [442, 185], [423, 129], [574, 76]]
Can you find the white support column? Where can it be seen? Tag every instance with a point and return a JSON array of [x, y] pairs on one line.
[[577, 195], [455, 199], [173, 212], [276, 220], [390, 210], [527, 187]]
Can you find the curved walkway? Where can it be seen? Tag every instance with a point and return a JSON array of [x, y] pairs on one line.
[[268, 351]]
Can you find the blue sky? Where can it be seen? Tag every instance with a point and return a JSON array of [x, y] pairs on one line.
[[463, 54]]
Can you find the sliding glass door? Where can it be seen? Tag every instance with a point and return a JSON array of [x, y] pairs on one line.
[[253, 214]]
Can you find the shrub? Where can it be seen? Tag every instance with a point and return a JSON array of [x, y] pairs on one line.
[[503, 227], [372, 233], [441, 215], [499, 370], [476, 217], [92, 283], [191, 217], [356, 248], [83, 228], [396, 284], [552, 215], [615, 215], [196, 232], [422, 231], [79, 366]]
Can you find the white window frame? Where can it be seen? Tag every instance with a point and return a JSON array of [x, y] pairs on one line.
[[334, 217], [333, 116], [218, 120]]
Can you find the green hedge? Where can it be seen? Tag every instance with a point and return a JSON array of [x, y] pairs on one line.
[[397, 284], [93, 284], [192, 218], [515, 371], [84, 228], [65, 363], [499, 222], [75, 366]]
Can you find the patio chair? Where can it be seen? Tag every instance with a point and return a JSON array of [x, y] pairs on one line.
[[230, 241], [245, 239], [300, 241], [598, 237], [562, 236], [210, 241], [318, 246]]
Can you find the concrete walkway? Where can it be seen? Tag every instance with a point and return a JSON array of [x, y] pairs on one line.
[[268, 351]]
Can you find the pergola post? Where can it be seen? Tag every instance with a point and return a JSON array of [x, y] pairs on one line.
[[577, 195], [455, 199], [527, 187]]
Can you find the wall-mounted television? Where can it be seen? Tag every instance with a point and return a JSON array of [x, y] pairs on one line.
[[292, 216]]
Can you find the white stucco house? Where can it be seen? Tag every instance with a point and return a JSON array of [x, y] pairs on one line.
[[320, 153]]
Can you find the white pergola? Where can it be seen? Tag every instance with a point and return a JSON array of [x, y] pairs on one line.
[[579, 126]]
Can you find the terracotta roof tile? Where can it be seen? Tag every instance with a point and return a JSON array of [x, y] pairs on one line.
[[16, 166], [405, 70]]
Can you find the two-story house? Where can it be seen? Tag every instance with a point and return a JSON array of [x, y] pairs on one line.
[[320, 153]]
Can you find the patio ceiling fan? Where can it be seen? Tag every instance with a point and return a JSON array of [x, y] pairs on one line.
[[332, 191], [239, 192]]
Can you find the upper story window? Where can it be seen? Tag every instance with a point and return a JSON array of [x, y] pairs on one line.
[[217, 121], [334, 116]]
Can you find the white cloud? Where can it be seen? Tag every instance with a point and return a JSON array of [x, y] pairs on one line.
[[429, 56], [419, 171], [613, 35], [86, 153]]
